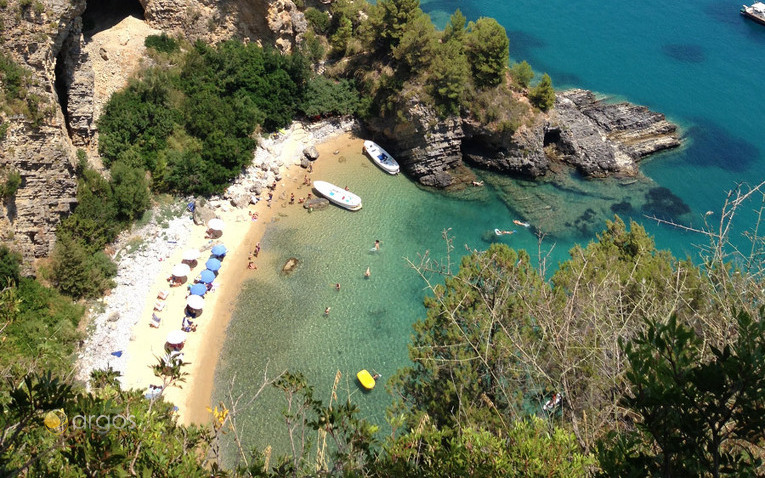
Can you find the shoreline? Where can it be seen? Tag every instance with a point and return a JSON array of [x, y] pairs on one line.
[[275, 160]]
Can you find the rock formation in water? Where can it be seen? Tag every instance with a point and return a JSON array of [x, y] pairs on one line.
[[596, 137]]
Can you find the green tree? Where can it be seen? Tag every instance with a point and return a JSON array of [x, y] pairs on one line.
[[417, 44], [342, 36], [543, 95], [131, 191], [487, 48], [448, 74], [397, 16], [455, 29], [312, 47], [522, 74], [465, 369], [696, 416], [79, 273]]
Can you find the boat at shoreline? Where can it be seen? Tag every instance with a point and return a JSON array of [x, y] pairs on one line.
[[755, 12], [381, 157], [337, 195]]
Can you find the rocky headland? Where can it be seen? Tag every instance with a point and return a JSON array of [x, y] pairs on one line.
[[597, 137]]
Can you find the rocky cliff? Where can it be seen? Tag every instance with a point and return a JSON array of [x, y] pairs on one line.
[[272, 22], [36, 143], [596, 137], [428, 147]]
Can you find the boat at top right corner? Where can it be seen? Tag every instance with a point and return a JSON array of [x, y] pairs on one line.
[[381, 157], [754, 12]]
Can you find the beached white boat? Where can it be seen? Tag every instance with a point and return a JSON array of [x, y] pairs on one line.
[[381, 157], [337, 195]]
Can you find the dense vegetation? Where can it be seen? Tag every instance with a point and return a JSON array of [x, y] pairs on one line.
[[38, 326], [193, 124]]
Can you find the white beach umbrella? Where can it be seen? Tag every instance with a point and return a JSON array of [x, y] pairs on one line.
[[176, 337], [215, 224], [190, 255], [195, 302], [181, 270]]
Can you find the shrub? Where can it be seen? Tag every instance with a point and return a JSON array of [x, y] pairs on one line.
[[543, 95], [10, 185], [325, 97], [522, 74], [162, 43], [318, 20], [9, 266]]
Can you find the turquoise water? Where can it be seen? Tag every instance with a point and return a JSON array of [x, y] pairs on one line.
[[699, 63]]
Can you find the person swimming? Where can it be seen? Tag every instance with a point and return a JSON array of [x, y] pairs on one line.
[[367, 273], [377, 244]]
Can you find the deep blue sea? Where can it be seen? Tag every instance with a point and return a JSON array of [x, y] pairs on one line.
[[700, 63]]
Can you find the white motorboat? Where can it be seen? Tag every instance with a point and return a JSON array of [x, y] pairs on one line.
[[338, 195], [381, 157]]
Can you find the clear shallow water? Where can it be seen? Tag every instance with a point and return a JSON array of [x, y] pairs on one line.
[[699, 63]]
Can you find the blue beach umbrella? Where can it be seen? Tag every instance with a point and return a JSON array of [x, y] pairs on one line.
[[219, 250], [207, 276], [197, 289], [213, 264]]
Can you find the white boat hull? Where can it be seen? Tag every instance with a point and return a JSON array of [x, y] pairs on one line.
[[381, 157], [337, 195]]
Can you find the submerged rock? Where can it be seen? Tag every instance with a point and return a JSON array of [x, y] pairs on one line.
[[290, 265], [316, 203]]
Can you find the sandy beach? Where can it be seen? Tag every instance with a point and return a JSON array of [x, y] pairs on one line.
[[240, 236]]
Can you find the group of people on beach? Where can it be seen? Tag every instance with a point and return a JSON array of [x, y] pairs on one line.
[[251, 263]]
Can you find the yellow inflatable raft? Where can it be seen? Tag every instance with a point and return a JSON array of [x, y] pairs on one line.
[[366, 380]]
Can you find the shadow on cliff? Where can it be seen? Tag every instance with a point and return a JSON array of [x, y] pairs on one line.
[[102, 15]]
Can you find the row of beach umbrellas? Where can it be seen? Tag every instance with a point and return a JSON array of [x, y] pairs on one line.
[[197, 291]]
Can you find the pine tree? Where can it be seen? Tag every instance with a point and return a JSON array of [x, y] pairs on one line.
[[543, 95], [487, 49]]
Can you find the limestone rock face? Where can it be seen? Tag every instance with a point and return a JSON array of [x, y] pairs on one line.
[[426, 147], [41, 152], [638, 130], [79, 81], [272, 22], [597, 138], [520, 153]]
